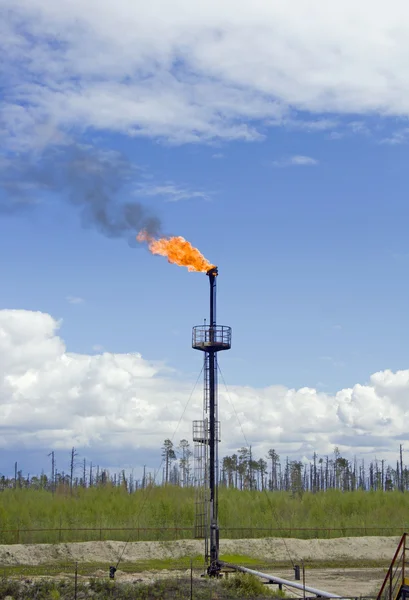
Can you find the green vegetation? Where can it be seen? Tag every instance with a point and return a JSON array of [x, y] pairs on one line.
[[167, 513], [89, 569], [247, 586], [241, 586]]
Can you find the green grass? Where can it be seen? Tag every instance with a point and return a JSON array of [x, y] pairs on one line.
[[247, 586], [240, 559], [90, 569], [171, 589], [170, 512]]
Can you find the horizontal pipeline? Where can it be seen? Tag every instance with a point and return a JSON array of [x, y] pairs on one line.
[[279, 580]]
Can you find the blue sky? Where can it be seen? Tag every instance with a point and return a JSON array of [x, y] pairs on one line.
[[298, 193], [310, 257]]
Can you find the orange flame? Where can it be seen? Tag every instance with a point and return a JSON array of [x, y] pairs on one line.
[[177, 250]]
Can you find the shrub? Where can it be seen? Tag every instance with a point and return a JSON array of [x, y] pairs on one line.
[[246, 586]]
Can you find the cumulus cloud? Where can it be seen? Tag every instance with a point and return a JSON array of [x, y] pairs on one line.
[[188, 71], [53, 398]]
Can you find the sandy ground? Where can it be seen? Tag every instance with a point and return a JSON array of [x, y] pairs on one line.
[[274, 549], [344, 582]]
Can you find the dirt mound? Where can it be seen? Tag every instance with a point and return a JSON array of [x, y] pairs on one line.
[[274, 549], [369, 548]]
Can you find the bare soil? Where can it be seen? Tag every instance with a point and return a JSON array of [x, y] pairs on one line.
[[344, 582], [268, 549]]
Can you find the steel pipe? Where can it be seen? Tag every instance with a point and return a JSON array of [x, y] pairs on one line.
[[279, 580]]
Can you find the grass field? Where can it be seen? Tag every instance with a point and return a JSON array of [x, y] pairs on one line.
[[241, 513], [237, 587], [88, 569]]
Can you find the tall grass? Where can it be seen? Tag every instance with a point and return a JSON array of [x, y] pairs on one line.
[[277, 513]]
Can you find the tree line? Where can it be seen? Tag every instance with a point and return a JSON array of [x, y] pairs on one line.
[[242, 470]]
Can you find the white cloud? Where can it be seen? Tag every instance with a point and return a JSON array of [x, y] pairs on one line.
[[50, 397], [170, 191], [187, 71], [75, 300], [305, 124], [358, 127], [295, 161], [401, 136]]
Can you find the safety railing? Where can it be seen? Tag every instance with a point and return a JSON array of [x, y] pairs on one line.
[[395, 576], [204, 336]]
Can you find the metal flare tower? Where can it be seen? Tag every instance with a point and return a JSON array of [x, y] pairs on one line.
[[210, 339]]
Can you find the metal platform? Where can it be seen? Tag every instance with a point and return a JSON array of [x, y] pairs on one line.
[[211, 338], [201, 431]]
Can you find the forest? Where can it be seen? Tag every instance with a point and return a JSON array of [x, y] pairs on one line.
[[242, 470], [328, 496]]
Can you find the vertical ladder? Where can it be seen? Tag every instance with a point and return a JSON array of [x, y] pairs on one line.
[[206, 384], [201, 465]]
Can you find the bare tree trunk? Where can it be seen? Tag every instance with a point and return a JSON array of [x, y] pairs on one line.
[[52, 471], [401, 468], [72, 466]]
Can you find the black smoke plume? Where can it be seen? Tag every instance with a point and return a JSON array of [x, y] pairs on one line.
[[95, 181]]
